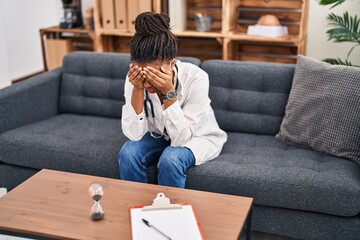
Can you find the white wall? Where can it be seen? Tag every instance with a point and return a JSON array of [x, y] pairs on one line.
[[317, 45], [4, 65], [85, 4], [21, 21], [20, 47]]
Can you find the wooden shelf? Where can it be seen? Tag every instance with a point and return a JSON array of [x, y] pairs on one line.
[[228, 39], [56, 42], [57, 29]]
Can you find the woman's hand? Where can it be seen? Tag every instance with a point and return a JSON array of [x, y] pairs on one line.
[[162, 80], [136, 76]]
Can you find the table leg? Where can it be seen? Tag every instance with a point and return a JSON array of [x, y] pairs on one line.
[[248, 226]]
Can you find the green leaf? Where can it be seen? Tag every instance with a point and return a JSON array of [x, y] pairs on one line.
[[329, 2], [338, 61], [345, 28]]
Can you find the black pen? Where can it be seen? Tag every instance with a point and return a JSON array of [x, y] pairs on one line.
[[152, 226]]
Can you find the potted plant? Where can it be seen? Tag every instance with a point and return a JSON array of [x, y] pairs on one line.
[[344, 28]]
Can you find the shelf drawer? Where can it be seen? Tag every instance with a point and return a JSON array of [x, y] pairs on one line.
[[283, 53], [204, 48], [121, 44]]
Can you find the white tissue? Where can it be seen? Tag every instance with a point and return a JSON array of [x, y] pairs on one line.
[[267, 31]]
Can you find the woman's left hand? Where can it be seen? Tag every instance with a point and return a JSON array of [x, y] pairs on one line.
[[162, 80]]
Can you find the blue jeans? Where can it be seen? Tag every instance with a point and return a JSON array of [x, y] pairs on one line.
[[172, 162]]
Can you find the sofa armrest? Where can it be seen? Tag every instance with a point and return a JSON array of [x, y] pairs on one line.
[[29, 101]]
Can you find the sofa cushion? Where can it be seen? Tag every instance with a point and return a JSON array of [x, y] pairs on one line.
[[12, 175], [249, 96], [323, 111], [73, 143], [93, 84], [279, 175]]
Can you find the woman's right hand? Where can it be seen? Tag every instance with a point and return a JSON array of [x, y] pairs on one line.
[[136, 76]]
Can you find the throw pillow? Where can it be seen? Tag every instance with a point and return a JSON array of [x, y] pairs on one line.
[[323, 109]]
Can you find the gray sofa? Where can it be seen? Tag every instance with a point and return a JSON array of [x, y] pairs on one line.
[[68, 119]]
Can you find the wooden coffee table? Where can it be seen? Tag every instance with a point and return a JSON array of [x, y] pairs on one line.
[[54, 204]]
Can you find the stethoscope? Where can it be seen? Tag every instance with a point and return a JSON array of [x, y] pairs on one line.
[[148, 102]]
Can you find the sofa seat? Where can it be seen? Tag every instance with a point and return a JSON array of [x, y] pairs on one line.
[[280, 175], [54, 142]]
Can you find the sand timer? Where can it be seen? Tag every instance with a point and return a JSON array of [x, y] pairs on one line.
[[96, 192]]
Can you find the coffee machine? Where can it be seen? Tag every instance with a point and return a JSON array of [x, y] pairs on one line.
[[72, 14]]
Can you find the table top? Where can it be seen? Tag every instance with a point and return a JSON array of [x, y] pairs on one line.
[[57, 204]]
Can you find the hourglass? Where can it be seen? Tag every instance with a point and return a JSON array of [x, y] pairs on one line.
[[96, 192]]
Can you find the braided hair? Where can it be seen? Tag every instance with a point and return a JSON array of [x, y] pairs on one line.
[[153, 39]]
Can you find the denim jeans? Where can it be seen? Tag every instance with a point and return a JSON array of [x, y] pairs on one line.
[[172, 162]]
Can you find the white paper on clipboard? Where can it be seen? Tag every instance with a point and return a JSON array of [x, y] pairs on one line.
[[177, 223]]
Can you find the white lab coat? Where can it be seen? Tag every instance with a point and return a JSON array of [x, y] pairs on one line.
[[190, 121]]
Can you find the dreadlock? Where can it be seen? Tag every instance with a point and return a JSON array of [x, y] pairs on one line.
[[153, 39]]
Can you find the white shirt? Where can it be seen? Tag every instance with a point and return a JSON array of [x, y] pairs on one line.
[[190, 121]]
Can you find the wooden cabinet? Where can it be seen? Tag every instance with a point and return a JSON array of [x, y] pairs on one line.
[[227, 39], [57, 42]]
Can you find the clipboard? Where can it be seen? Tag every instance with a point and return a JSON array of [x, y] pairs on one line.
[[176, 221]]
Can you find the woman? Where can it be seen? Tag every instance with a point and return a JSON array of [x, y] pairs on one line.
[[167, 114]]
